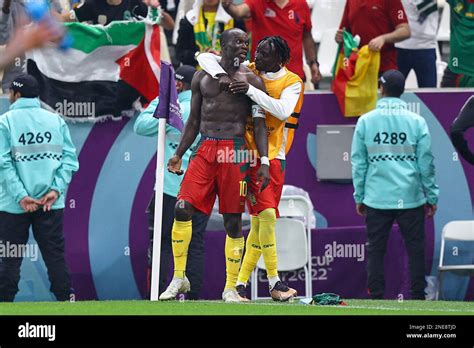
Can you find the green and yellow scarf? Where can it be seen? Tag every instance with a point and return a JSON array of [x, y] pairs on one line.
[[207, 36]]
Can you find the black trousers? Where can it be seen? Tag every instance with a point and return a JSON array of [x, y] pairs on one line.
[[412, 227], [195, 263], [48, 233]]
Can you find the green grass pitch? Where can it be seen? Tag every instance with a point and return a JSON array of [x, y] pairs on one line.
[[263, 307]]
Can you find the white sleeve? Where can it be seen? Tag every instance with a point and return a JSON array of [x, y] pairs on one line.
[[210, 63], [280, 108]]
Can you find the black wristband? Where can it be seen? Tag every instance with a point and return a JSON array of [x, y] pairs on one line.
[[311, 62]]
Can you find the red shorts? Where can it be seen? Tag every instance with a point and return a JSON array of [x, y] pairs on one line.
[[214, 171], [270, 196]]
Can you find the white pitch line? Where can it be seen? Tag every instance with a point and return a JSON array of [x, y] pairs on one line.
[[408, 309], [344, 307]]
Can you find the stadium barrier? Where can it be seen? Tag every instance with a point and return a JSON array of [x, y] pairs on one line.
[[106, 227]]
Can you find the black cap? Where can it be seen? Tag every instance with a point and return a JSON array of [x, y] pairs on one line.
[[393, 82], [185, 73], [26, 85]]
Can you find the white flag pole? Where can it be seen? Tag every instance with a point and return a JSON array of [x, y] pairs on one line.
[[160, 173]]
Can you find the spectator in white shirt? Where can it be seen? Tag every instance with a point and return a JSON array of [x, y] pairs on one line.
[[419, 51]]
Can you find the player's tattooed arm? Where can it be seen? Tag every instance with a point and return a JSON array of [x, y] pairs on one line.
[[191, 129]]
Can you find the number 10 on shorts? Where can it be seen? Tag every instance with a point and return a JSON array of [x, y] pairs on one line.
[[243, 188]]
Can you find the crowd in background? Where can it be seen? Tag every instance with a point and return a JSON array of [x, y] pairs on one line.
[[405, 31]]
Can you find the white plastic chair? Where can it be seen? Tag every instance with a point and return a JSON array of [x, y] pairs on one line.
[[327, 52], [326, 15], [461, 231], [293, 238], [444, 31]]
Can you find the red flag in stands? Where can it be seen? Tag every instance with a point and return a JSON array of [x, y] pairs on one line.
[[140, 68]]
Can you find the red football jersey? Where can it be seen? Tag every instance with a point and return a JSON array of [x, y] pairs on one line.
[[372, 18], [289, 22]]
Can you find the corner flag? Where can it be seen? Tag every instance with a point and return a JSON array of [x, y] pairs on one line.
[[167, 111], [168, 106]]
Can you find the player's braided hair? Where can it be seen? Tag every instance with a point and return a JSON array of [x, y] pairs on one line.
[[280, 45]]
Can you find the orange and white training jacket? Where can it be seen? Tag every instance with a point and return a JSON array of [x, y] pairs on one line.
[[282, 103]]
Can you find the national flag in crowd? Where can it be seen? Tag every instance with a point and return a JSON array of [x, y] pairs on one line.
[[168, 106], [108, 67], [355, 77]]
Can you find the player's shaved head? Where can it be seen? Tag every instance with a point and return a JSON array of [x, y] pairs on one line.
[[229, 34], [234, 45]]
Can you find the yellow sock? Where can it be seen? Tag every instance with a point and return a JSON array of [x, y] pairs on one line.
[[266, 233], [252, 252], [181, 237], [234, 248]]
